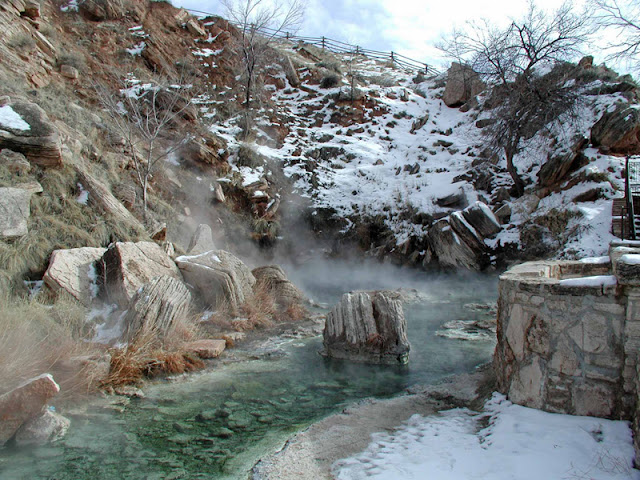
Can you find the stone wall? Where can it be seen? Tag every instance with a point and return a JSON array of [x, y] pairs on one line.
[[569, 335]]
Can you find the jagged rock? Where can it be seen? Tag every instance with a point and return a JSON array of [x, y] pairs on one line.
[[100, 10], [206, 348], [30, 187], [126, 193], [482, 219], [618, 131], [367, 327], [48, 427], [557, 166], [462, 84], [127, 266], [15, 210], [157, 308], [194, 28], [209, 149], [202, 240], [524, 206], [273, 278], [451, 250], [24, 403], [103, 199], [586, 62], [31, 9], [504, 214], [16, 162], [74, 271], [218, 277], [467, 234], [218, 193], [31, 134]]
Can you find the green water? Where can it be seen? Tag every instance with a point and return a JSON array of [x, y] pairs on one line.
[[216, 424]]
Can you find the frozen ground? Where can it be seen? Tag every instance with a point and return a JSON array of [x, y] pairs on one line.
[[505, 442]]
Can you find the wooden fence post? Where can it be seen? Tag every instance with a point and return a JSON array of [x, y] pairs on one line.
[[392, 59], [323, 43]]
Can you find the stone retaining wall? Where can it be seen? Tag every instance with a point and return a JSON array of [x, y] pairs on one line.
[[569, 335]]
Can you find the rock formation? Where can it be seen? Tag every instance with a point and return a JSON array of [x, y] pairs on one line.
[[15, 210], [201, 241], [31, 133], [367, 327], [273, 278], [462, 85], [25, 403], [218, 276], [618, 131], [45, 428], [157, 308], [127, 266], [74, 271]]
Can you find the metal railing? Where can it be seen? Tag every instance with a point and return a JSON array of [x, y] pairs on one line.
[[632, 171], [336, 46]]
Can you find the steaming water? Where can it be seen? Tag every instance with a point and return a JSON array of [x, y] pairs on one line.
[[216, 424]]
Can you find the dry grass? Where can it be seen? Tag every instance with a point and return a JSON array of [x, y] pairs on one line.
[[37, 338]]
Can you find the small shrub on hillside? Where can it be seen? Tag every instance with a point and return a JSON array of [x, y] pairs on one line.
[[332, 65], [248, 156], [22, 41], [73, 59], [330, 80]]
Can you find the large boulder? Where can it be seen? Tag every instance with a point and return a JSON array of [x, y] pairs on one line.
[[208, 149], [451, 247], [557, 166], [25, 128], [157, 308], [618, 131], [127, 266], [45, 428], [367, 327], [273, 278], [74, 271], [482, 219], [462, 85], [15, 210], [218, 277], [201, 241], [24, 403]]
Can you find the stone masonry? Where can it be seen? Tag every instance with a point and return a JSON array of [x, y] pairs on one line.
[[569, 335]]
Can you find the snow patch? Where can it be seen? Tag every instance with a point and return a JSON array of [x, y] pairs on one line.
[[9, 118], [594, 281]]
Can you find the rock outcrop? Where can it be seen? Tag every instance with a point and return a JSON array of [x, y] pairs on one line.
[[555, 169], [367, 327], [26, 128], [618, 131], [25, 403], [206, 349], [74, 271], [218, 277], [127, 266], [45, 428], [462, 85], [157, 308], [273, 278], [15, 210], [201, 241]]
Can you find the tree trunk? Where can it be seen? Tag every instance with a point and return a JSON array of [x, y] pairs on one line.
[[518, 183], [145, 188]]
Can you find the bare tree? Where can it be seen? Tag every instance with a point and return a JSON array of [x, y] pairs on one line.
[[623, 17], [144, 114], [511, 59], [260, 23]]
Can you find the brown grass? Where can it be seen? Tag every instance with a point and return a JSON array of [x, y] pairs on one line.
[[37, 338]]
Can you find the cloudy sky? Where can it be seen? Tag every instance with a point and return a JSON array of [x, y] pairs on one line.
[[409, 27]]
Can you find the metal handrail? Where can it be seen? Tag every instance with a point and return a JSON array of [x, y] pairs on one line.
[[629, 198]]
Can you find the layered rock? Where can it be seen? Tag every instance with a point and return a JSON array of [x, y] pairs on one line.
[[206, 349], [560, 164], [618, 131], [157, 308], [273, 278], [15, 210], [367, 327], [74, 271], [462, 85], [218, 277], [25, 403], [127, 266], [30, 132]]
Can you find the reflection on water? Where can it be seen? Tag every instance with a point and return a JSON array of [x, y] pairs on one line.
[[217, 423]]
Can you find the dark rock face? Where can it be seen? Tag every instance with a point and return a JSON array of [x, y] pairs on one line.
[[39, 142], [462, 85], [157, 308], [556, 168], [367, 327], [618, 131]]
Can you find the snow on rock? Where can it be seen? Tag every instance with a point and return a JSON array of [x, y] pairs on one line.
[[9, 118], [594, 281], [518, 443], [630, 259]]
